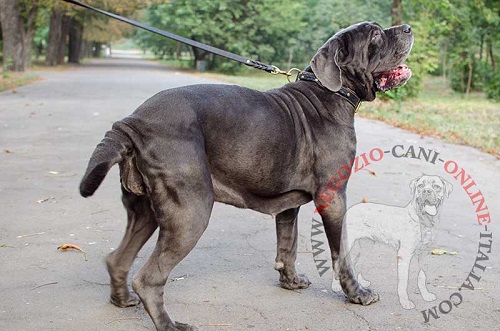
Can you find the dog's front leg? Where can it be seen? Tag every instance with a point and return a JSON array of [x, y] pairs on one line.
[[332, 214], [286, 231], [404, 261], [422, 283]]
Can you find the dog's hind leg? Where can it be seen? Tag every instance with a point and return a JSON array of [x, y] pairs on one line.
[[182, 198], [333, 216], [286, 231], [141, 225]]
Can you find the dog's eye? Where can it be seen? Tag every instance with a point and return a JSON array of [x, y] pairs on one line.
[[436, 187], [376, 35], [421, 186]]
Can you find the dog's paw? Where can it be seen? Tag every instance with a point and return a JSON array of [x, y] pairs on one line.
[[125, 301], [428, 296], [298, 282], [184, 327], [336, 287], [364, 296], [407, 304]]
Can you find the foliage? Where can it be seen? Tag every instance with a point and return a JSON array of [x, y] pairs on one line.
[[467, 33], [491, 81], [458, 39], [260, 29]]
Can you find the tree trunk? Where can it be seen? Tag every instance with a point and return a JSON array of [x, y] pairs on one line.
[[469, 79], [17, 34], [396, 12], [85, 49], [199, 55], [290, 57], [492, 57], [445, 54], [58, 35], [481, 46], [96, 49], [66, 21], [52, 56], [75, 41]]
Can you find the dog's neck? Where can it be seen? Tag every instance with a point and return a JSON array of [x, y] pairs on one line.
[[344, 92], [427, 223]]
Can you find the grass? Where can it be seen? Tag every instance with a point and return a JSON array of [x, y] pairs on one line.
[[438, 112], [259, 80], [9, 80]]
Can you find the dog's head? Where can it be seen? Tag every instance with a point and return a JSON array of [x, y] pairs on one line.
[[365, 58], [429, 193]]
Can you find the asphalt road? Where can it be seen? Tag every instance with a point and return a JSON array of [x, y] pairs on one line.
[[48, 130]]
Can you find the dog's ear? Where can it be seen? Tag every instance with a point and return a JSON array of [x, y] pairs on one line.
[[325, 65], [413, 186], [448, 188]]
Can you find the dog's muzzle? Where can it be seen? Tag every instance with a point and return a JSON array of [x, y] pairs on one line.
[[429, 204], [396, 77]]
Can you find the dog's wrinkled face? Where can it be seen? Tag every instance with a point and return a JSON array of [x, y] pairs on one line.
[[365, 58], [429, 193]]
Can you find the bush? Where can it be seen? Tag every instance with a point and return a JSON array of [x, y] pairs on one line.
[[491, 81]]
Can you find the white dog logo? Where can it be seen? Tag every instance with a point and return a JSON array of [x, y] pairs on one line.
[[410, 230]]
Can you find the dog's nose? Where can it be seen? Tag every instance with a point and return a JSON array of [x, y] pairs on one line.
[[406, 28]]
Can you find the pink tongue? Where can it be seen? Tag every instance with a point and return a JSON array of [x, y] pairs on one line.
[[430, 209]]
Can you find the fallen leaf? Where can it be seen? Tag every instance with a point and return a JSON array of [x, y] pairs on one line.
[[453, 253], [65, 247], [46, 284], [7, 151], [371, 172], [44, 200], [179, 278], [54, 172], [365, 200], [438, 251]]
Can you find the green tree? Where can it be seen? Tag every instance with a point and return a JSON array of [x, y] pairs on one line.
[[79, 30], [18, 21], [462, 36], [261, 29]]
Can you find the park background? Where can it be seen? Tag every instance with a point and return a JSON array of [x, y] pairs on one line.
[[454, 93]]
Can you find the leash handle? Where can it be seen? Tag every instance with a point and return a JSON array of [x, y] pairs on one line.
[[249, 62]]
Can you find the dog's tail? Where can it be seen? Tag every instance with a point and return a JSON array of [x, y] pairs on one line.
[[110, 151]]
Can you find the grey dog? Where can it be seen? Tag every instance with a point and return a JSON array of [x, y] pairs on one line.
[[185, 148]]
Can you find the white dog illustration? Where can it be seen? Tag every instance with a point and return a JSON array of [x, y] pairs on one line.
[[410, 230]]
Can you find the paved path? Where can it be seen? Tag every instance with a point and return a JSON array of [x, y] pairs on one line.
[[47, 132]]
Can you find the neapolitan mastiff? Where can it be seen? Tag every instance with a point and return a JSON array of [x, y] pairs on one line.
[[409, 229], [272, 152]]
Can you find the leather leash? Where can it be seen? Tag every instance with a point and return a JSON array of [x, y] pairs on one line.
[[346, 93], [238, 58]]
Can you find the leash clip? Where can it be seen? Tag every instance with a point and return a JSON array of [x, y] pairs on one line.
[[288, 74]]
